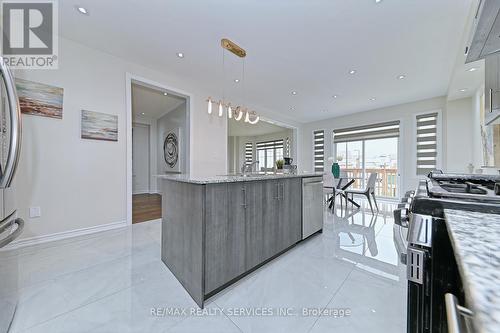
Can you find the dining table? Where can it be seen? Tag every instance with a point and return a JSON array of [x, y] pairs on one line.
[[340, 185]]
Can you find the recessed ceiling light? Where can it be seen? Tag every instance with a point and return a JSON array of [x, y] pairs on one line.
[[335, 96], [236, 80], [180, 54], [373, 99], [294, 92], [143, 113], [463, 90], [352, 71], [401, 77], [292, 108], [165, 94], [472, 69], [82, 10], [378, 1]]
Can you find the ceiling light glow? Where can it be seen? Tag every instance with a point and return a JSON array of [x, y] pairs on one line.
[[82, 10], [294, 93], [352, 71], [473, 69], [401, 77], [180, 54]]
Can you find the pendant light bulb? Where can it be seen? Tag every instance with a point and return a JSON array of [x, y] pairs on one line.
[[240, 114], [229, 112], [221, 110], [255, 121], [209, 107]]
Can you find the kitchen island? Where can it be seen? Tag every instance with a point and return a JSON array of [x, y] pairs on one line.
[[215, 230], [474, 237]]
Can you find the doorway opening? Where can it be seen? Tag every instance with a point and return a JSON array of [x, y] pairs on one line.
[[156, 114]]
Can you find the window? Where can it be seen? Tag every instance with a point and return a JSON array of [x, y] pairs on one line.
[[319, 150], [268, 153], [426, 143], [248, 153], [363, 150]]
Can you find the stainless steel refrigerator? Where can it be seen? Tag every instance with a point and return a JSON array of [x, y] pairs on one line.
[[10, 225]]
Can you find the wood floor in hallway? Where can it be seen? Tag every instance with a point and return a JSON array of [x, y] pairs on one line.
[[146, 207]]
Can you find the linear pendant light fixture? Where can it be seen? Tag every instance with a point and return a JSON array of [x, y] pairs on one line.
[[233, 112]]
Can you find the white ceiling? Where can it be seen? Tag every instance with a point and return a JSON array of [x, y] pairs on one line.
[[239, 128], [151, 103], [291, 45]]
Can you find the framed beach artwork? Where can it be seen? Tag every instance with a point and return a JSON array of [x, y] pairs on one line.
[[40, 99], [171, 150], [99, 126]]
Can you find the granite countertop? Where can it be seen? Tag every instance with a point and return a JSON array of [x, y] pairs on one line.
[[186, 178], [476, 242]]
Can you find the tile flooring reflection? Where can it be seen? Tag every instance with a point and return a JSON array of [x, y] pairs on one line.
[[347, 279]]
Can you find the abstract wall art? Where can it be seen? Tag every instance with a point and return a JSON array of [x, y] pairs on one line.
[[40, 99], [99, 126]]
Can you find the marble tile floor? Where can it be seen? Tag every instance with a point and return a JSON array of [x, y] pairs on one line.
[[347, 279]]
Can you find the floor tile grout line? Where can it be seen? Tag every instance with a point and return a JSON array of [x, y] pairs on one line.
[[121, 257], [334, 294], [77, 308], [222, 310]]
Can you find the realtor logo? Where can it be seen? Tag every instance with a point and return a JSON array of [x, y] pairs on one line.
[[29, 34]]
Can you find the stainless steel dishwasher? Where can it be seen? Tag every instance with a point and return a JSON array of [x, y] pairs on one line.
[[312, 206]]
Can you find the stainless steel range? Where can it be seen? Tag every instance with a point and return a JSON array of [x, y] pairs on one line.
[[431, 267]]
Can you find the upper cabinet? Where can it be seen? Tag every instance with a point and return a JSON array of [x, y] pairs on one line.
[[492, 89], [485, 38]]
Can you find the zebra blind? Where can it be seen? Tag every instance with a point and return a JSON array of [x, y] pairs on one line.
[[275, 144], [248, 152], [368, 132], [319, 150], [426, 143]]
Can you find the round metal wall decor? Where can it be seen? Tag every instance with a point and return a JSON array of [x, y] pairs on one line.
[[171, 150]]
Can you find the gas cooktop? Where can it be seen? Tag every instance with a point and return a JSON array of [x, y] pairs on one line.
[[474, 188]]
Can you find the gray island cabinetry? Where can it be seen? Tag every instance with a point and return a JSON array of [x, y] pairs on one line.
[[215, 230]]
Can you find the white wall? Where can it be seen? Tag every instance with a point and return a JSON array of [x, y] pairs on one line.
[[460, 139], [173, 119], [82, 183], [405, 113], [153, 150], [459, 134], [140, 159]]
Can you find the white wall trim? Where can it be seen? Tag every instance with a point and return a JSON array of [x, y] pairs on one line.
[[66, 234], [129, 78]]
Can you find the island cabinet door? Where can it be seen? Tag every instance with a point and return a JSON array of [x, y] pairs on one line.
[[224, 234], [289, 213], [254, 234], [270, 218]]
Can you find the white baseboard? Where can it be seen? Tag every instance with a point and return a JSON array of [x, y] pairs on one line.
[[66, 234], [146, 192]]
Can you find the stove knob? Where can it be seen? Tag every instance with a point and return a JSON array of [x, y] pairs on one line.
[[401, 217]]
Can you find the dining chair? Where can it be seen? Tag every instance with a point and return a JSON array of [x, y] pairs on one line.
[[328, 186], [368, 191]]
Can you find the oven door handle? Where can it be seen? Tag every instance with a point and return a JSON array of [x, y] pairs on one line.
[[7, 240], [453, 313]]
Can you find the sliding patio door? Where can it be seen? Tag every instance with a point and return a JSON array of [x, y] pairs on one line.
[[361, 151]]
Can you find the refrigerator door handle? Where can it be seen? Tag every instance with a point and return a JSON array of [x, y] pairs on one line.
[[7, 174], [7, 240]]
